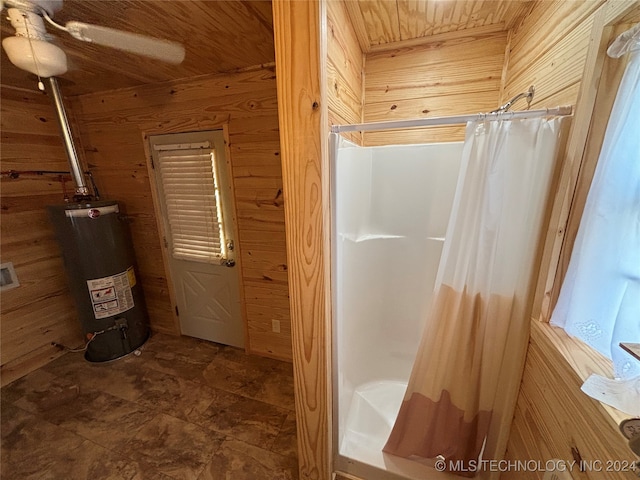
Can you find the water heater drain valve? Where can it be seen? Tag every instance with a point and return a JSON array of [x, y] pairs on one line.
[[122, 324]]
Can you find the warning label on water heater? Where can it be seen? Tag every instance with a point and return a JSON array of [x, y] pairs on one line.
[[112, 295]]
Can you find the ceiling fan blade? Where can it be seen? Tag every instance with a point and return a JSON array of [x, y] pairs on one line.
[[165, 50]]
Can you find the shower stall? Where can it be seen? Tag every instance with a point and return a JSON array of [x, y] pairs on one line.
[[392, 206]]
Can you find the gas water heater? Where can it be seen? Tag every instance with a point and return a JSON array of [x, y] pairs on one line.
[[99, 261], [93, 235]]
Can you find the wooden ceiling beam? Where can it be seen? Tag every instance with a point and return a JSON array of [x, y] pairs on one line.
[[439, 38]]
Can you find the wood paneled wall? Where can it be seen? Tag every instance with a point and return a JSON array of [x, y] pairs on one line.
[[345, 69], [548, 50], [112, 128], [40, 310], [554, 419], [454, 73]]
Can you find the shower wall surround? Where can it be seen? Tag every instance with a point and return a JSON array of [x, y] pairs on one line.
[[392, 206]]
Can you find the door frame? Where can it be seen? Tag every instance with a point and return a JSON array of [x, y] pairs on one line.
[[162, 234]]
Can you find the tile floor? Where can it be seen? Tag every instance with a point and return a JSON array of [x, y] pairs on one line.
[[183, 409]]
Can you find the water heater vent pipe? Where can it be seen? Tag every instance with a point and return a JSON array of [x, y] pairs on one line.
[[82, 192]]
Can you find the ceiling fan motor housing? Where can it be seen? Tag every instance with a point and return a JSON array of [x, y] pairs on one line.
[[30, 49]]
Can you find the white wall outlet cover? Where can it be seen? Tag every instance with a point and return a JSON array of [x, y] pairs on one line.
[[8, 277], [275, 326]]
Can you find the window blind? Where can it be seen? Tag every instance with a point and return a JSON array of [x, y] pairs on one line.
[[192, 198]]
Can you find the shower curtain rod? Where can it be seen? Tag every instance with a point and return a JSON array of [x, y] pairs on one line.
[[453, 120]]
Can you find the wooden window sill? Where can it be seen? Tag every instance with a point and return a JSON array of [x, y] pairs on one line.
[[581, 358]]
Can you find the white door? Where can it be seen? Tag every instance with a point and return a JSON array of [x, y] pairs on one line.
[[194, 194]]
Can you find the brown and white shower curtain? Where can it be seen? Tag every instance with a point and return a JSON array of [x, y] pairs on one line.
[[481, 290]]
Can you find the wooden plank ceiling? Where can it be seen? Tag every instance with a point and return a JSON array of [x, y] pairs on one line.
[[226, 36], [380, 22], [219, 36]]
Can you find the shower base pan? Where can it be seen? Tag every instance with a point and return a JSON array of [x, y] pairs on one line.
[[372, 413]]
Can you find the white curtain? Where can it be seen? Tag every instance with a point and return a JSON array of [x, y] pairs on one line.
[[600, 298], [482, 289]]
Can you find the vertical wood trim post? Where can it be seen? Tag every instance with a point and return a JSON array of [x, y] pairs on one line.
[[300, 43]]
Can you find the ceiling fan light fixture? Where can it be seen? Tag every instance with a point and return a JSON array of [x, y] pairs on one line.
[[30, 49], [35, 56]]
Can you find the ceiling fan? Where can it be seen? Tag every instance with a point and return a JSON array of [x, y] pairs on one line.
[[31, 48]]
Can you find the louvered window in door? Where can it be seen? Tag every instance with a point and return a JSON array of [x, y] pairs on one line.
[[190, 184]]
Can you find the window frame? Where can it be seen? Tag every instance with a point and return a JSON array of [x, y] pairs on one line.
[[222, 171], [598, 90], [214, 224], [597, 93]]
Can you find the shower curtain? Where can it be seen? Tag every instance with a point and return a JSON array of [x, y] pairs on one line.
[[481, 290]]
